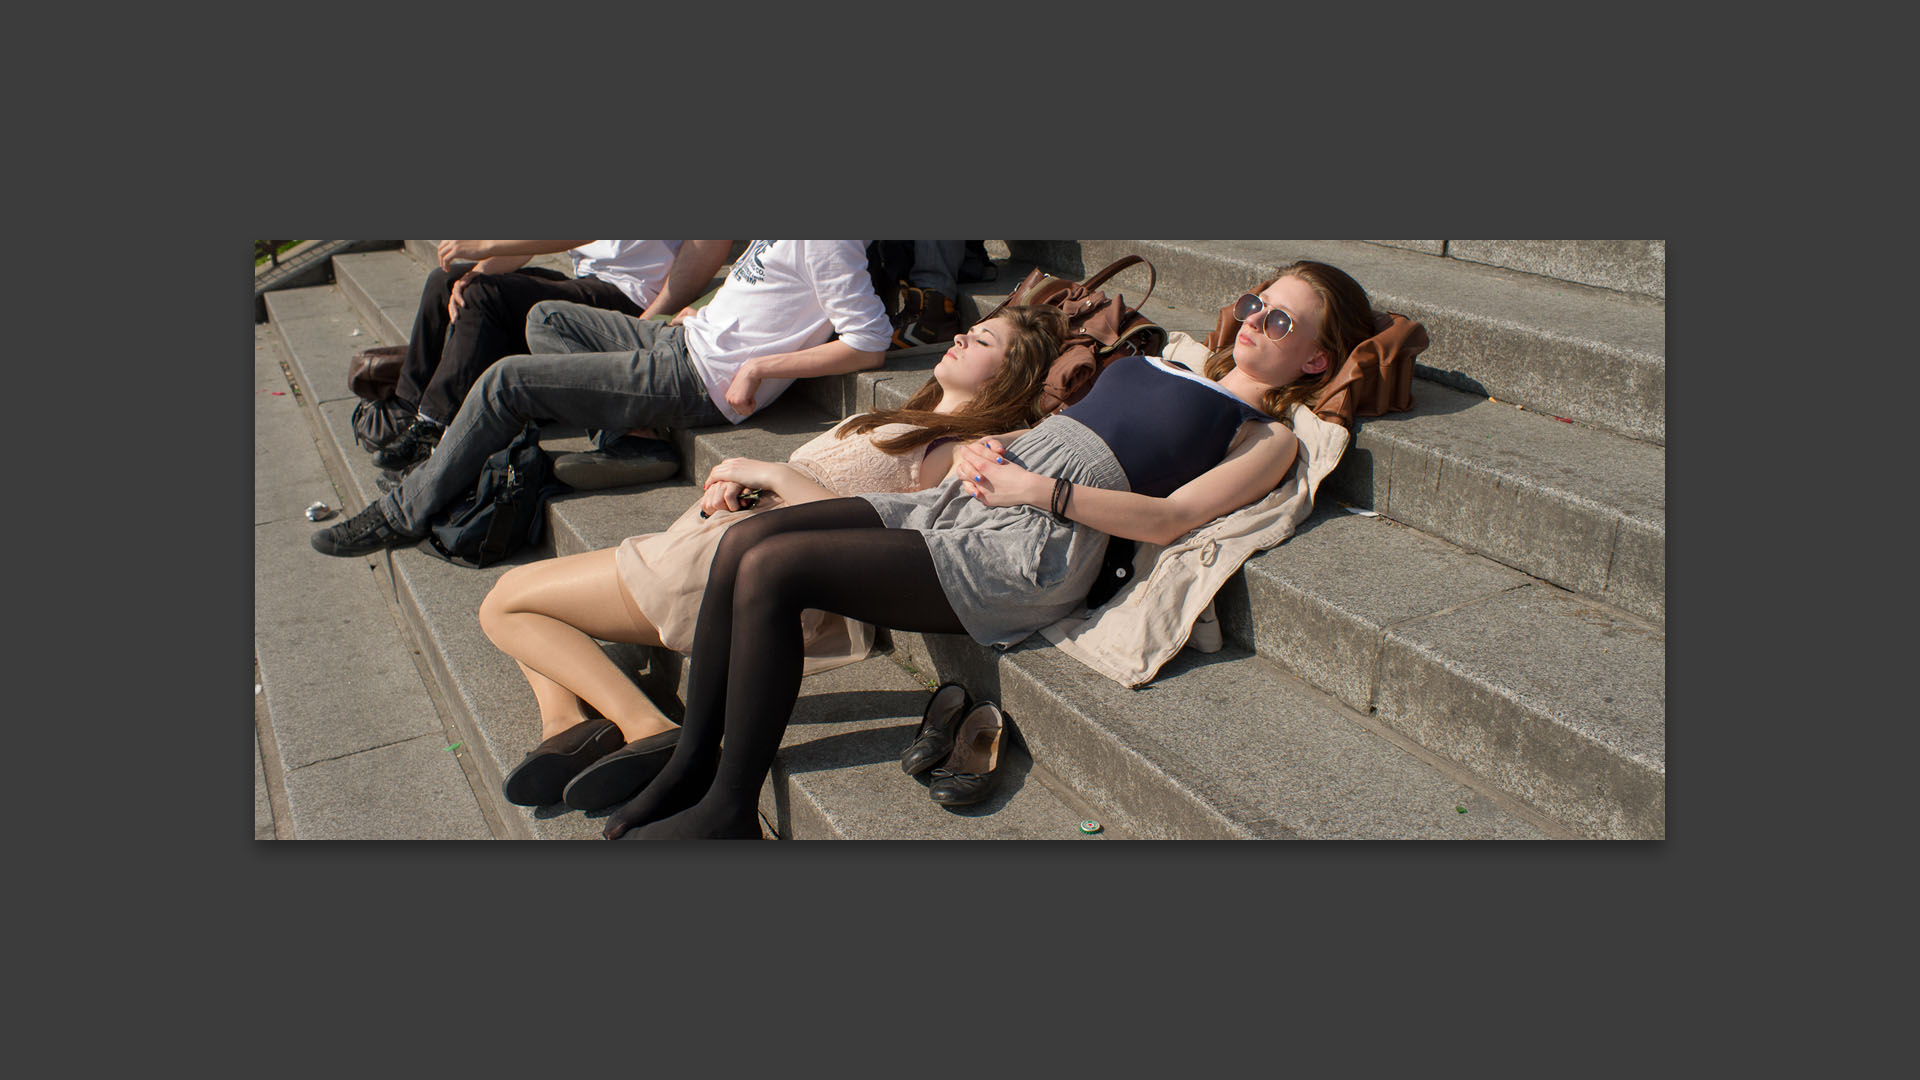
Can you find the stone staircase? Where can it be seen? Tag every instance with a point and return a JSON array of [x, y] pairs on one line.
[[1482, 655]]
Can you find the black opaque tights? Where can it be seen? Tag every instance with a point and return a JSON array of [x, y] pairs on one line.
[[834, 555]]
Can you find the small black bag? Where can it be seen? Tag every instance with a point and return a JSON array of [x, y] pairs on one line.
[[506, 512], [376, 424]]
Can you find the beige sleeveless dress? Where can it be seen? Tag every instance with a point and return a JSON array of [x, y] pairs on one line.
[[665, 573]]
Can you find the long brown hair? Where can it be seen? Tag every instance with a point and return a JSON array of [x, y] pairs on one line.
[[1010, 400], [1346, 320]]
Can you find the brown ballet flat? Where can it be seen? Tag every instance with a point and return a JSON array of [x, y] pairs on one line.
[[542, 775], [621, 775]]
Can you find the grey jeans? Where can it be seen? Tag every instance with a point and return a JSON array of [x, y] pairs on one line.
[[596, 369], [936, 265]]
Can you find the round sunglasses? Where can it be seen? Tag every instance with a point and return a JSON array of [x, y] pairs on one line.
[[1249, 305]]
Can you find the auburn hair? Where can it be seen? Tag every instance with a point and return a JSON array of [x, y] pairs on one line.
[[1009, 401]]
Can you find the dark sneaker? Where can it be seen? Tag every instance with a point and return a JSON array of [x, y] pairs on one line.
[[362, 534], [414, 446], [631, 460], [925, 317]]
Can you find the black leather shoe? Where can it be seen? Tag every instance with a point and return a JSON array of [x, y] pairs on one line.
[[935, 740], [620, 775], [973, 771], [541, 776]]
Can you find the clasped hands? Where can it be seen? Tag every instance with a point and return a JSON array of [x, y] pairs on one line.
[[732, 478]]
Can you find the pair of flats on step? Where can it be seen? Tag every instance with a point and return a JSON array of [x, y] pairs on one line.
[[963, 742], [589, 767]]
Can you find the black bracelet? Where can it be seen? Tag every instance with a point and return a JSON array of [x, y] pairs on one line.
[[1062, 491]]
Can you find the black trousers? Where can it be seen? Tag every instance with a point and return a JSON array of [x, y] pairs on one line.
[[441, 366]]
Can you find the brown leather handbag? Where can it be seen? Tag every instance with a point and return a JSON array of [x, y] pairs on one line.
[[1100, 329], [373, 373]]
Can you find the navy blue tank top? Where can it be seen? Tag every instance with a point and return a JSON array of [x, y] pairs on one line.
[[1164, 424]]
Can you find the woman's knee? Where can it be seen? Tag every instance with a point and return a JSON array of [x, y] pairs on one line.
[[768, 572], [743, 535], [504, 598]]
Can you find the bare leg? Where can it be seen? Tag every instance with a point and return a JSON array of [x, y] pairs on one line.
[[547, 615], [560, 708]]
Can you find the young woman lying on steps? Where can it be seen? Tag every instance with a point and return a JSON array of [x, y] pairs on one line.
[[1010, 544], [647, 591]]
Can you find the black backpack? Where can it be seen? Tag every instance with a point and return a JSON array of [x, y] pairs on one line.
[[506, 512]]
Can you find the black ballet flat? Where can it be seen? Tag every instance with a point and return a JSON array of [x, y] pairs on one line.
[[620, 775], [972, 773], [935, 740], [542, 775]]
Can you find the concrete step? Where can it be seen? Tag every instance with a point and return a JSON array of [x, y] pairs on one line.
[[350, 743], [1581, 508], [1555, 698], [307, 263], [1592, 355], [1629, 266], [1223, 746]]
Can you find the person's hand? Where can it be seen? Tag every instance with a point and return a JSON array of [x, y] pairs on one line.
[[450, 250], [456, 297], [988, 476], [746, 472], [724, 495], [680, 316], [742, 391]]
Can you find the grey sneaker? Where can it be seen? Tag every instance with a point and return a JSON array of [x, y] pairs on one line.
[[362, 534], [630, 460]]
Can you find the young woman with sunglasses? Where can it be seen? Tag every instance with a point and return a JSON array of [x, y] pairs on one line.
[[547, 615], [1010, 544]]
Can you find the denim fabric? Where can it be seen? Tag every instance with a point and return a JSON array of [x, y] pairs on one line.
[[592, 368], [443, 362], [936, 265]]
